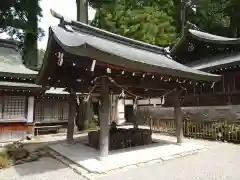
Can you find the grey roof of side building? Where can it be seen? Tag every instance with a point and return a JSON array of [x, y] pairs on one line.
[[18, 84], [78, 38], [11, 61], [217, 62], [204, 37], [207, 37]]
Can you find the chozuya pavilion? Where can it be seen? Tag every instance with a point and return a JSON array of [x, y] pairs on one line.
[[82, 58]]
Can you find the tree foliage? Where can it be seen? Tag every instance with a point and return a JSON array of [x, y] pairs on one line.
[[137, 21], [14, 16], [233, 11], [210, 16], [158, 21], [213, 16], [19, 19]]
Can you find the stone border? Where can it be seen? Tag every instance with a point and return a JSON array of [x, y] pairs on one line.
[[76, 168], [91, 175]]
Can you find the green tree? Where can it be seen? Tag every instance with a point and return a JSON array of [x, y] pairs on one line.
[[214, 16], [41, 53], [19, 19], [211, 16], [233, 11], [145, 23]]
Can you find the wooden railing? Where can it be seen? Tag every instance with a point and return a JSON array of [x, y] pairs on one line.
[[215, 130]]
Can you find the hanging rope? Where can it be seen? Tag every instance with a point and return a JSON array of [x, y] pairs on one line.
[[86, 98], [213, 85]]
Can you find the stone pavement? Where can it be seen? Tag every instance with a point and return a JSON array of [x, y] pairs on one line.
[[44, 169], [164, 149], [220, 162]]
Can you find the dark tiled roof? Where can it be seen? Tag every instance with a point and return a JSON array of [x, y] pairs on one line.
[[120, 51]]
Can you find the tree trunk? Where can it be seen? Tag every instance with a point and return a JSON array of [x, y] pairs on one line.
[[82, 11], [30, 42], [89, 113], [80, 116], [84, 115]]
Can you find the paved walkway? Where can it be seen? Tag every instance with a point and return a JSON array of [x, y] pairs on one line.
[[164, 149], [45, 169], [221, 162]]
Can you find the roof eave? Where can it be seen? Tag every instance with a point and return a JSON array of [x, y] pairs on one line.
[[198, 76], [17, 75]]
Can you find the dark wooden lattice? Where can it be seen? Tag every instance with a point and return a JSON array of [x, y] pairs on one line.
[[47, 110], [14, 107], [1, 107], [38, 113]]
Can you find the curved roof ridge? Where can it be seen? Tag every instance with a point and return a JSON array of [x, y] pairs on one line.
[[205, 37], [216, 61], [109, 35], [212, 37]]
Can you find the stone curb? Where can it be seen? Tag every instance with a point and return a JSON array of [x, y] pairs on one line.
[[77, 169], [91, 175], [155, 161]]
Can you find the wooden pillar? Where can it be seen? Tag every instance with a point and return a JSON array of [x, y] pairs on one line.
[[81, 114], [84, 114], [234, 83], [104, 117], [178, 117], [135, 125], [71, 117]]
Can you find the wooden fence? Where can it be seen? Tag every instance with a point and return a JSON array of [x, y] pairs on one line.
[[215, 130]]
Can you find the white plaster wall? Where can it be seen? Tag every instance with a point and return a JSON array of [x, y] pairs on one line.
[[128, 101], [120, 111], [30, 112]]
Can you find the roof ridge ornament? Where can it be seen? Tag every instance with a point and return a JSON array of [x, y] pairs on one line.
[[63, 20], [106, 34], [66, 22], [60, 58]]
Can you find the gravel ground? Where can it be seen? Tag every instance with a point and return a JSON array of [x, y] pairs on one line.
[[220, 162], [44, 169]]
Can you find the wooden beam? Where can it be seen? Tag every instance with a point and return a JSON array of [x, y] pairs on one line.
[[104, 118], [178, 116], [129, 82]]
